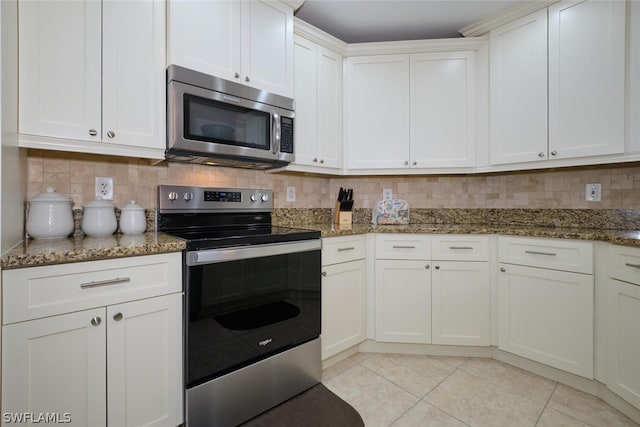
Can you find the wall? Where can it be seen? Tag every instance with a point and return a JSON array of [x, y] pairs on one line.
[[73, 175]]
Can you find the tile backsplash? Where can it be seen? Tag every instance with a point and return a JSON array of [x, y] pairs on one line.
[[73, 174]]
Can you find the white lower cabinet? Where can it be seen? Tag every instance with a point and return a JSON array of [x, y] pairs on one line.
[[403, 301], [344, 289], [544, 314], [118, 364], [623, 338]]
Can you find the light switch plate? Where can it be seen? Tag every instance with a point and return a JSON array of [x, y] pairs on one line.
[[593, 193]]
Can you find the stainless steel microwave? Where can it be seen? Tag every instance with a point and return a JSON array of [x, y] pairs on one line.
[[218, 122]]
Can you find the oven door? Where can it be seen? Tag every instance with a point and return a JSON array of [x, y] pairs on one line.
[[245, 304]]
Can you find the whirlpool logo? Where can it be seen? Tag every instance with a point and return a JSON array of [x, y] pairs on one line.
[[265, 342]]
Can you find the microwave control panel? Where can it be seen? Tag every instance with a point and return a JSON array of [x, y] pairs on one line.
[[286, 135]]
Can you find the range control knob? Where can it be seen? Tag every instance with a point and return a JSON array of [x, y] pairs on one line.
[[187, 196], [253, 197], [264, 198], [173, 195]]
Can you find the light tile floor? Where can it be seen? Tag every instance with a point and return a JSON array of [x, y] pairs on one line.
[[407, 390]]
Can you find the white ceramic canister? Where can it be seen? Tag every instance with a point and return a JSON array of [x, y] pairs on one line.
[[133, 219], [99, 218], [49, 216]]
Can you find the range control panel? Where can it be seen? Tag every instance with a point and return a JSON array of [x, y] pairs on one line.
[[180, 199]]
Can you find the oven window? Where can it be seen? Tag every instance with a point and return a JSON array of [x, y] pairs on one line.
[[219, 122], [244, 311]]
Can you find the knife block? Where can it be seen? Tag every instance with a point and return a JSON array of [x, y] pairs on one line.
[[342, 217]]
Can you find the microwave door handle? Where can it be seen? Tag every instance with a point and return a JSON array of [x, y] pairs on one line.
[[276, 132]]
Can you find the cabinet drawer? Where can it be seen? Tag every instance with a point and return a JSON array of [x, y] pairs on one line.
[[343, 249], [553, 254], [403, 246], [460, 248], [35, 292], [624, 263]]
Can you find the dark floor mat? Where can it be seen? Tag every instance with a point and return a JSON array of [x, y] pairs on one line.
[[316, 407]]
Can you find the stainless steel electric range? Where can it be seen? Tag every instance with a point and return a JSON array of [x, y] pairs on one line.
[[252, 302]]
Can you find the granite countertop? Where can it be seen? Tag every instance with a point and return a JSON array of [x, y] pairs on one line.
[[32, 253], [619, 237]]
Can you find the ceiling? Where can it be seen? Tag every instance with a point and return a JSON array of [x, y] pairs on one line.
[[357, 21]]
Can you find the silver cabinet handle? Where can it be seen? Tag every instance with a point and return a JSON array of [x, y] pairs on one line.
[[541, 154], [540, 253], [427, 266], [236, 75], [414, 163], [111, 134], [115, 281], [406, 163], [246, 79], [461, 247], [554, 153], [117, 317], [93, 132], [96, 321], [348, 248], [502, 269], [437, 267], [321, 161], [324, 274], [628, 264], [315, 160], [403, 247]]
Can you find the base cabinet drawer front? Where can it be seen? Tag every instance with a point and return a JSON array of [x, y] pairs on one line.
[[461, 306], [343, 249], [403, 246], [624, 263], [57, 365], [403, 301], [50, 290], [547, 316], [623, 346], [547, 253], [343, 306], [460, 248]]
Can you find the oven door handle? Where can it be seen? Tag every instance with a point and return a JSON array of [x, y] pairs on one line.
[[213, 256]]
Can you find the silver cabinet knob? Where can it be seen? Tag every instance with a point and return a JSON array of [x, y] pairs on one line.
[[502, 269], [111, 134], [321, 161], [541, 154], [437, 267], [96, 321], [118, 317], [246, 79], [173, 195], [237, 75], [93, 132], [406, 163], [324, 274], [554, 153], [315, 160], [414, 163], [427, 266]]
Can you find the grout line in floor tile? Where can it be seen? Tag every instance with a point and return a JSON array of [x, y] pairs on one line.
[[546, 404]]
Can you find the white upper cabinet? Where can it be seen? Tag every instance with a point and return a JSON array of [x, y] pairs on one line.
[[377, 111], [557, 83], [250, 42], [518, 90], [442, 100], [92, 76], [318, 95]]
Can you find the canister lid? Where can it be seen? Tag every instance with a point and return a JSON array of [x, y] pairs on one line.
[[133, 206], [50, 195], [99, 203]]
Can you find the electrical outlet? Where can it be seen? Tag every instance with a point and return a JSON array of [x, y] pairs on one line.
[[291, 194], [104, 187], [593, 193], [387, 194]]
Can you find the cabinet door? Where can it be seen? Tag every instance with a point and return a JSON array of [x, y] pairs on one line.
[[460, 303], [267, 46], [343, 306], [403, 301], [194, 42], [134, 73], [329, 114], [144, 362], [442, 109], [586, 78], [547, 316], [60, 69], [518, 90], [57, 365], [623, 346], [377, 111], [306, 96]]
